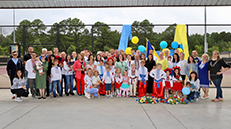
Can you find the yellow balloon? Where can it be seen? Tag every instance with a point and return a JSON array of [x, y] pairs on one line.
[[135, 39], [128, 50], [180, 50], [153, 47], [166, 49]]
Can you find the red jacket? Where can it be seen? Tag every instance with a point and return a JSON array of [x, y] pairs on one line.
[[77, 65]]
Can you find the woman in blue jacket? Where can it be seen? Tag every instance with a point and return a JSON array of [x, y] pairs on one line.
[[191, 66]]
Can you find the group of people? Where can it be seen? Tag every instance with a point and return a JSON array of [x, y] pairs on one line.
[[114, 73]]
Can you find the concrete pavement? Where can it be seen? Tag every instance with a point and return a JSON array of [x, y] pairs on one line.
[[76, 112]]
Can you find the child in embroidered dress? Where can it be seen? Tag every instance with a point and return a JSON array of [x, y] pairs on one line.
[[168, 84], [133, 79], [118, 81], [125, 84], [158, 74], [177, 82]]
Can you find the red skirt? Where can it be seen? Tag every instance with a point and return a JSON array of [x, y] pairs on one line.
[[118, 85], [177, 86], [167, 85]]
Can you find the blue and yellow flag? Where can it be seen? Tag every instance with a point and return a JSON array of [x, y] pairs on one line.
[[150, 47]]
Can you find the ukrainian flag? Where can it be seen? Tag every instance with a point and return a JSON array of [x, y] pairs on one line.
[[149, 47]]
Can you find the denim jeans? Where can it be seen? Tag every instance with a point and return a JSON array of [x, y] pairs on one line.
[[69, 79], [27, 81], [196, 94], [54, 83], [50, 85], [217, 83]]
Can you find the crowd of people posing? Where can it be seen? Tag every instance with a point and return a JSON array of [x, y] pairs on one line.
[[114, 73]]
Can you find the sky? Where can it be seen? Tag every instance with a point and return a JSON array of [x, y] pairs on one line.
[[156, 15]]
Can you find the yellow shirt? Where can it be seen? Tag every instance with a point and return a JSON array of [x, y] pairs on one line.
[[164, 63]]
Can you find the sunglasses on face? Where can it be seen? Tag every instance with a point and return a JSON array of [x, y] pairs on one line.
[[15, 54]]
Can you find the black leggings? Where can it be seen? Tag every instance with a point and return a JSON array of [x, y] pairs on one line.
[[20, 92]]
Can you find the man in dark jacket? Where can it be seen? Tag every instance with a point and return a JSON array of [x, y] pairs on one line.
[[13, 65]]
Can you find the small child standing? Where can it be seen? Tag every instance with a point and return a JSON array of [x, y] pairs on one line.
[[158, 74], [170, 65], [143, 77], [56, 78], [168, 84], [118, 81], [38, 64], [101, 69], [96, 81], [177, 82], [133, 76], [194, 87], [108, 79], [125, 84]]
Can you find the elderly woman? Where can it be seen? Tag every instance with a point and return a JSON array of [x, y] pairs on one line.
[[163, 61], [216, 73], [203, 75], [41, 78], [191, 66], [120, 63]]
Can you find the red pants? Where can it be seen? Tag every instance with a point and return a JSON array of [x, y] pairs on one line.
[[142, 89], [78, 84], [102, 89], [157, 92]]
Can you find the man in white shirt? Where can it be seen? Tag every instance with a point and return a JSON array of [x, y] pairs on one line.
[[31, 73]]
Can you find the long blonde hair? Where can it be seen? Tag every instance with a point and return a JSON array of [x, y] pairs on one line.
[[218, 55]]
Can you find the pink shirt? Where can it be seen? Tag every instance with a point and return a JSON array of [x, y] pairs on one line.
[[125, 79]]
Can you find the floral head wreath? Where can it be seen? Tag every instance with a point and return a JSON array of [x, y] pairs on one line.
[[111, 58], [168, 69], [176, 67]]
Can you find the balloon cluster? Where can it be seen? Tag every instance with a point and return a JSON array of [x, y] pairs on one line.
[[174, 45]]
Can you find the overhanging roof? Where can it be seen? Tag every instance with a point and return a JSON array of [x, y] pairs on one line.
[[11, 4]]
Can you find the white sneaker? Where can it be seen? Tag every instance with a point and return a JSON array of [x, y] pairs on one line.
[[18, 99], [197, 99], [111, 95]]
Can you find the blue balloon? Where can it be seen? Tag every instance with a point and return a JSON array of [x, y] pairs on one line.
[[174, 45], [186, 91], [181, 46], [163, 44], [141, 48]]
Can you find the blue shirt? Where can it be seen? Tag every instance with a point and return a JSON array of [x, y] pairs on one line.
[[15, 61]]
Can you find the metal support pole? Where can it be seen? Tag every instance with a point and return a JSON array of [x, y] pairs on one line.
[[92, 39], [14, 24], [205, 35], [23, 39], [57, 40], [187, 31]]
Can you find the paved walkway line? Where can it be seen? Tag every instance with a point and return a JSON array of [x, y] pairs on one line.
[[148, 116], [21, 116], [173, 116]]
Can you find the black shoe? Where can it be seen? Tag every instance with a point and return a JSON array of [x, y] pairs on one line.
[[44, 97], [67, 94], [40, 97], [72, 93], [131, 96]]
